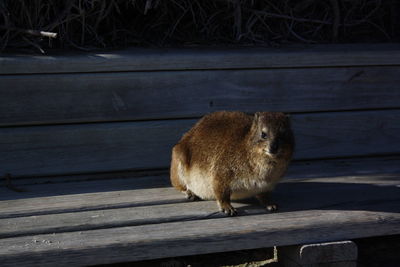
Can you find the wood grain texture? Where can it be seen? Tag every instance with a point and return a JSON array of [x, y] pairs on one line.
[[111, 218], [92, 147], [114, 193], [149, 226], [382, 165], [109, 221], [150, 206], [69, 149], [87, 201], [194, 237], [118, 217], [102, 97], [204, 58]]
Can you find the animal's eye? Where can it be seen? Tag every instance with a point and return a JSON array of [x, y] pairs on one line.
[[264, 135]]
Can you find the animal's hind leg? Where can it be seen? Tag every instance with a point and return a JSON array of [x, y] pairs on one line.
[[175, 181], [181, 187], [174, 171], [176, 164]]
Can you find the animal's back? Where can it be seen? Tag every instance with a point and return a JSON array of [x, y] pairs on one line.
[[219, 130], [213, 140]]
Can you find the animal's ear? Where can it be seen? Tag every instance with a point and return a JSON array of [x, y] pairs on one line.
[[255, 127], [257, 118]]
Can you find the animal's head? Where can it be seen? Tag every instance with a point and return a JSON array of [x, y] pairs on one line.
[[272, 135]]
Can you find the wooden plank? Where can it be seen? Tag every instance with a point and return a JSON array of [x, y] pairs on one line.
[[51, 198], [329, 254], [330, 135], [72, 98], [204, 58], [51, 186], [26, 206], [118, 217], [77, 194], [297, 169], [102, 182], [48, 150], [69, 149], [195, 237], [357, 192], [343, 167]]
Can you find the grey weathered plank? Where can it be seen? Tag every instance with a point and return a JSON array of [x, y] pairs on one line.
[[195, 237], [204, 58], [115, 193], [86, 148], [71, 98], [94, 200], [343, 167], [118, 217], [356, 192], [53, 186], [69, 149], [155, 178]]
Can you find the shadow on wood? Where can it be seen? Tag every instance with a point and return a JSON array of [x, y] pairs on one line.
[[308, 195]]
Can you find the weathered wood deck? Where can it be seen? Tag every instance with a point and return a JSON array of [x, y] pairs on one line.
[[97, 222], [89, 137]]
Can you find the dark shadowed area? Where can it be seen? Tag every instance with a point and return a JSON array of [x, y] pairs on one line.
[[87, 24]]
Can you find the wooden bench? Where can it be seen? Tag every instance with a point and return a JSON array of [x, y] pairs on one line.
[[87, 137]]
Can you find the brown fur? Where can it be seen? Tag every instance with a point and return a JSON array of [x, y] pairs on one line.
[[232, 155]]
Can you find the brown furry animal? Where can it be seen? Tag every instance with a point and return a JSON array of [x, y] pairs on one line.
[[232, 155]]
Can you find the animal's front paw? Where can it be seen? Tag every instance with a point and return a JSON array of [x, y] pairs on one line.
[[272, 207], [228, 209]]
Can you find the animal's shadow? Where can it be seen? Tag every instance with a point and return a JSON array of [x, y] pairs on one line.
[[296, 196]]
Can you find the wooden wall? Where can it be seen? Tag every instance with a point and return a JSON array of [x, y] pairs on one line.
[[90, 113]]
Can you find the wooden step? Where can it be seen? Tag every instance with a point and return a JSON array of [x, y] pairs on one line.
[[108, 221]]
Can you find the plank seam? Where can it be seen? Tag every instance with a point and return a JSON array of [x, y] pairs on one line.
[[155, 221], [203, 69], [188, 118], [11, 215]]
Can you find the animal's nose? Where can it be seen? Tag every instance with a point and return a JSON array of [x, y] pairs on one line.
[[273, 148]]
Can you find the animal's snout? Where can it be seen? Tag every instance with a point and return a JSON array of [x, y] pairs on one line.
[[273, 148]]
